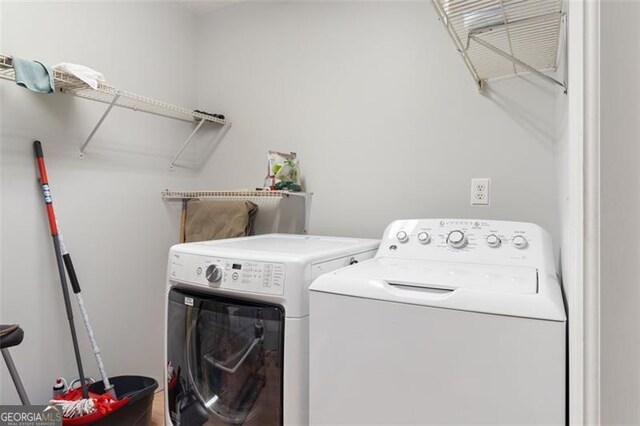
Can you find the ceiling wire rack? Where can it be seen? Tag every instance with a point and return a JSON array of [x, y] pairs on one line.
[[526, 33], [111, 96]]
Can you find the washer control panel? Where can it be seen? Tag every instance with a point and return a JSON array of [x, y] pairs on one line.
[[473, 240], [232, 274]]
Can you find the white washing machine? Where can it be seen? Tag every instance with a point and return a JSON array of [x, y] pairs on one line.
[[453, 322], [237, 324]]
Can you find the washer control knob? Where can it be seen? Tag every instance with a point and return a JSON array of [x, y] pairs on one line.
[[424, 238], [402, 237], [213, 273], [520, 242], [493, 241], [457, 239]]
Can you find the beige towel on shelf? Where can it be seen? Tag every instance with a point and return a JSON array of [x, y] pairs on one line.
[[217, 219]]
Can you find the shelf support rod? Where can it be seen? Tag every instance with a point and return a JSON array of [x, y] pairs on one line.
[[216, 140], [97, 126], [516, 61], [186, 143], [458, 44]]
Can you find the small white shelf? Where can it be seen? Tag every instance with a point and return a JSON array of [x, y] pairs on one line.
[[111, 96], [498, 38], [293, 201], [169, 195]]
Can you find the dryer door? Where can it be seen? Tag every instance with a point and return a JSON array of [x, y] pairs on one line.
[[225, 360]]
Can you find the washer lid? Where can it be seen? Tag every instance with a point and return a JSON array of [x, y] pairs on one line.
[[451, 275], [517, 291]]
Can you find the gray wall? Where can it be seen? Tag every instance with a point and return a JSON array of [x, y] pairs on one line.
[[116, 226], [620, 210], [381, 110]]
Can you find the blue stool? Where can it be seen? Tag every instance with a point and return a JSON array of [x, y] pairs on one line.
[[12, 335]]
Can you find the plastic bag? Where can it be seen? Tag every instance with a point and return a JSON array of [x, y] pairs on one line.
[[284, 171]]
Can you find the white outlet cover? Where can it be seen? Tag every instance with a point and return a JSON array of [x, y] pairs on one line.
[[480, 191]]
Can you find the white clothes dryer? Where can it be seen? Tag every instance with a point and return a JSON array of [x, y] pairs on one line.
[[237, 319], [453, 322]]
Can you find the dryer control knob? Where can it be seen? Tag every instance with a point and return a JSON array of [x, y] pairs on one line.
[[424, 238], [493, 241], [213, 273], [520, 242], [456, 239], [402, 237]]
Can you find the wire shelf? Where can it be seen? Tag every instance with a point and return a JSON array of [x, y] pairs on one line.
[[105, 93], [281, 220], [170, 195], [111, 96], [498, 38]]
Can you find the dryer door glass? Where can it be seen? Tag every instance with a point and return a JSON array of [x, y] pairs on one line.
[[224, 360]]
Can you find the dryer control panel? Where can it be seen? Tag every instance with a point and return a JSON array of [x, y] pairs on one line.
[[232, 274], [471, 240]]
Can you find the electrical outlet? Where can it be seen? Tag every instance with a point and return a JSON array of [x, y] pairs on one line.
[[480, 191]]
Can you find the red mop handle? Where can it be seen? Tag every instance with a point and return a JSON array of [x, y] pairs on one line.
[[44, 181], [46, 191]]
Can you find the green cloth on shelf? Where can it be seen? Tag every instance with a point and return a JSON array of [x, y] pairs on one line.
[[33, 75]]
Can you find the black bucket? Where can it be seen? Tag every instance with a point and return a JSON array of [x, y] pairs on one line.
[[140, 391]]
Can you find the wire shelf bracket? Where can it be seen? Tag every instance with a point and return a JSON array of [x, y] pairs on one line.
[[526, 33], [111, 96], [221, 134], [98, 124]]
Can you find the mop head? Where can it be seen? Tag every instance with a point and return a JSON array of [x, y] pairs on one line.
[[73, 409], [80, 411]]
